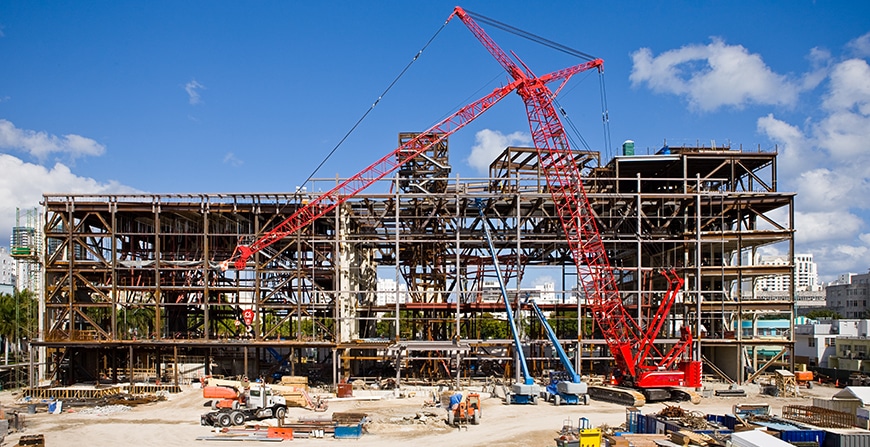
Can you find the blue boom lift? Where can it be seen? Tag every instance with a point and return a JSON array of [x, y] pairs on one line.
[[565, 386], [528, 391]]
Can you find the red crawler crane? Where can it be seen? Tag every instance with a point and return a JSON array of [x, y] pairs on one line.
[[631, 346]]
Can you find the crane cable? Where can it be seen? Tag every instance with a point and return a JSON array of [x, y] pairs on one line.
[[605, 117], [533, 37], [374, 104], [567, 50]]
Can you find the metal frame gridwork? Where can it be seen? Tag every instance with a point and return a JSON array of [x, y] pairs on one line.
[[125, 272]]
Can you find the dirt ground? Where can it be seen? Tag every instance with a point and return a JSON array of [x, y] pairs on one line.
[[395, 420]]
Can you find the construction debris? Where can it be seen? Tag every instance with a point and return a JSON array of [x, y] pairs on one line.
[[105, 410], [581, 436], [32, 440], [690, 419]]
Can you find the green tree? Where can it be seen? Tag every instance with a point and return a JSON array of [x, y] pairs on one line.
[[136, 321], [386, 325], [18, 315], [492, 328], [823, 314]]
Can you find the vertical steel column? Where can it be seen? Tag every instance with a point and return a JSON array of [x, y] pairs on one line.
[[206, 256], [113, 265], [792, 292], [639, 254], [698, 279], [175, 361], [458, 215], [158, 290]]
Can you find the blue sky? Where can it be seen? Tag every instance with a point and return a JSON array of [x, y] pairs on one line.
[[219, 96]]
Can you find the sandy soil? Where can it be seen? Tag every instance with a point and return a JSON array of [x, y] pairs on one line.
[[394, 420]]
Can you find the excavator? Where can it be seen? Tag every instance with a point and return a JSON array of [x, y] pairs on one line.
[[640, 364]]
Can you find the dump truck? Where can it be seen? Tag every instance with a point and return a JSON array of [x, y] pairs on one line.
[[234, 406]]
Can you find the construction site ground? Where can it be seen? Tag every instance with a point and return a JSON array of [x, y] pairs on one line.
[[396, 418]]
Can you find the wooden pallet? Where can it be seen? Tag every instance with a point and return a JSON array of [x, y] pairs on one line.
[[32, 440]]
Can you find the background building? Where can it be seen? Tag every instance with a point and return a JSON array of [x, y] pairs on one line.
[[805, 274], [816, 341], [850, 296], [7, 272]]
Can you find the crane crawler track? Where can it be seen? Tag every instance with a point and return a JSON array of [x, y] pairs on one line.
[[618, 395], [685, 395]]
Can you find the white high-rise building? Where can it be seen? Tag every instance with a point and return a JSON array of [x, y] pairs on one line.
[[805, 273], [389, 291], [7, 271]]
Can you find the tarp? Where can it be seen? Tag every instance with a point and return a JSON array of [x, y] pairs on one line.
[[861, 393], [756, 438]]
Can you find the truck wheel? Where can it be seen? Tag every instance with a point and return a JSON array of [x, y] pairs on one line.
[[557, 399], [476, 418], [450, 417], [238, 418], [280, 412], [585, 399], [224, 420]]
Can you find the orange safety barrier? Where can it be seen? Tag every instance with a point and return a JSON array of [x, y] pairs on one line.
[[280, 433]]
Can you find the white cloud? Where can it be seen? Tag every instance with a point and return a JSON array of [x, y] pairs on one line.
[[231, 159], [861, 46], [490, 143], [824, 189], [787, 136], [842, 258], [192, 88], [41, 144], [543, 281], [23, 184], [820, 61], [824, 159], [821, 227], [827, 163], [849, 89], [717, 75]]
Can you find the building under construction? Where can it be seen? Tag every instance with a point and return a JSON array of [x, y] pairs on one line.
[[136, 286]]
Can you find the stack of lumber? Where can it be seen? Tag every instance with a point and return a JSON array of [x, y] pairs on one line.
[[685, 437], [636, 440], [295, 390]]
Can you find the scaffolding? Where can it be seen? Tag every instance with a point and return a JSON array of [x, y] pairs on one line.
[[26, 249], [131, 277]]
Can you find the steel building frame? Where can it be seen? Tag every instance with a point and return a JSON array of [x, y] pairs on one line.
[[131, 280]]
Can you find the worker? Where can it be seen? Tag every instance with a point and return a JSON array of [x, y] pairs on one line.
[[455, 400]]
